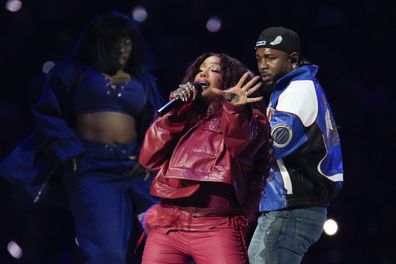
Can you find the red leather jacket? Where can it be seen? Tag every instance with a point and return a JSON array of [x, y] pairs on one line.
[[217, 149]]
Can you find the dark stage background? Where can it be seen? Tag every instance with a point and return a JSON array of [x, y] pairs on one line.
[[351, 41]]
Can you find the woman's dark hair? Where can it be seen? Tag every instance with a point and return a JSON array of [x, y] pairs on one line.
[[231, 71], [99, 37]]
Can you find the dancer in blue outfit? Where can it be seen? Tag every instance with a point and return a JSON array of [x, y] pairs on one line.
[[308, 171], [89, 123]]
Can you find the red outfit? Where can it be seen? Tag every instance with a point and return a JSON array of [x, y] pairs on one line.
[[205, 173], [221, 245]]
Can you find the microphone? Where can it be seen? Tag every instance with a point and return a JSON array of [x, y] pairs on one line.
[[176, 102]]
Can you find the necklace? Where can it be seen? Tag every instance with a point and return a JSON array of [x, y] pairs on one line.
[[114, 88]]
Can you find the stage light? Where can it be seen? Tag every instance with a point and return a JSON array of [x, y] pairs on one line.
[[330, 227], [13, 5], [139, 13], [14, 249], [47, 66], [213, 24]]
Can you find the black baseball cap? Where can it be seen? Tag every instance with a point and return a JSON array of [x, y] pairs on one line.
[[279, 38]]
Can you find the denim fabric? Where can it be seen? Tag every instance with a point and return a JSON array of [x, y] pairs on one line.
[[283, 237], [105, 200]]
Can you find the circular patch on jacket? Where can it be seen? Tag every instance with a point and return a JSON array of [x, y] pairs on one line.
[[282, 135]]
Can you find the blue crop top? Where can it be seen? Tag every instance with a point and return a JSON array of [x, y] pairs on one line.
[[96, 93]]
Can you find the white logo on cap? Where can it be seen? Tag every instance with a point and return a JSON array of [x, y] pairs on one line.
[[277, 40], [261, 43]]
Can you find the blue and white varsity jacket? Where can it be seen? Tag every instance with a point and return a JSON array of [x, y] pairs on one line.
[[308, 169]]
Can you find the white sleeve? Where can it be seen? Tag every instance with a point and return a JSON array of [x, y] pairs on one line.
[[300, 99]]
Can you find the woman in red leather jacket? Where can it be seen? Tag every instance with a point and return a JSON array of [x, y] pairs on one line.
[[204, 154]]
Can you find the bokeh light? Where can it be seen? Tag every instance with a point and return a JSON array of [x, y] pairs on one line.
[[47, 66], [139, 13], [214, 24], [14, 249], [330, 227], [13, 5]]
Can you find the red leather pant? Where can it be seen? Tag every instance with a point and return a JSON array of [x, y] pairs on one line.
[[223, 243]]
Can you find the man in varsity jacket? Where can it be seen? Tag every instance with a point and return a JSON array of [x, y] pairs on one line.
[[307, 171]]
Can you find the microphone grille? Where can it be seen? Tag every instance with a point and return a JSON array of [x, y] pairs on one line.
[[197, 86]]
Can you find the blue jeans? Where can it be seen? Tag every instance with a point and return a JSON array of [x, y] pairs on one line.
[[105, 200], [283, 237]]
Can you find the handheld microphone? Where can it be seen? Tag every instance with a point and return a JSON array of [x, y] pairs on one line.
[[176, 102]]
